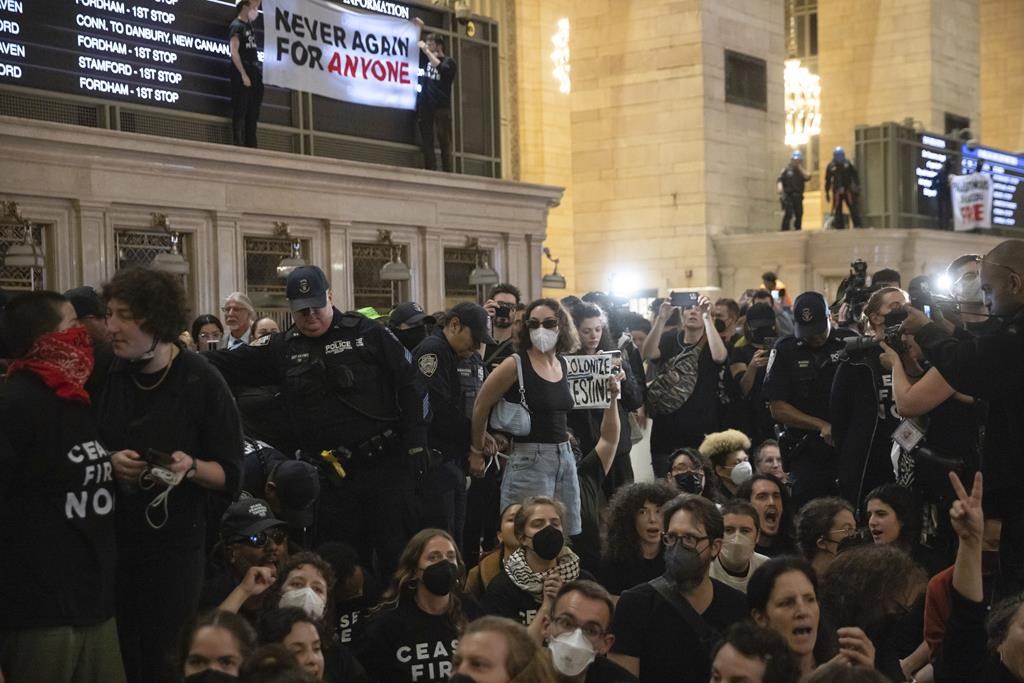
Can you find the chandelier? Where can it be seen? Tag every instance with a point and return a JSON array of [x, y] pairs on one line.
[[803, 103]]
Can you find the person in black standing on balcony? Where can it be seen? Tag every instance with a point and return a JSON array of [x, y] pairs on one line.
[[434, 103], [246, 74], [791, 191]]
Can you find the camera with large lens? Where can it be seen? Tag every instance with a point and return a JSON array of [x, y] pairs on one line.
[[893, 336], [854, 292]]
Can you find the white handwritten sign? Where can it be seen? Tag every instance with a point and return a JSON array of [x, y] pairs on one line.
[[588, 378]]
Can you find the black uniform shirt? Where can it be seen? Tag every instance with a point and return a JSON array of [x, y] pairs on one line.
[[801, 375], [792, 180], [437, 368]]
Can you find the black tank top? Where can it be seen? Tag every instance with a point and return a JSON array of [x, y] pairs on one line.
[[549, 403]]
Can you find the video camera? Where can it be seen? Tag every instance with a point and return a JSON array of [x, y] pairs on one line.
[[858, 346], [854, 292], [924, 299]]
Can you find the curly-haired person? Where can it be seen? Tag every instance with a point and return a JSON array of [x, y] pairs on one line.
[[632, 551], [727, 452]]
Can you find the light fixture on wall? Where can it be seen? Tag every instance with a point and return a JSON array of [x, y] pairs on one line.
[[292, 261], [27, 254], [394, 270], [482, 273], [560, 56], [803, 103], [554, 279], [169, 261]]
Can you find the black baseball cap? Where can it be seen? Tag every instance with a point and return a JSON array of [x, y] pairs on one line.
[[86, 302], [410, 313], [297, 485], [307, 288], [760, 315], [247, 517], [473, 316], [810, 315]]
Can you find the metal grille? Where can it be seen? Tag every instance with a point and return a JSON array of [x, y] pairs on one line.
[[262, 285], [335, 148], [49, 109], [139, 247], [459, 262], [368, 289], [21, 279], [175, 127]]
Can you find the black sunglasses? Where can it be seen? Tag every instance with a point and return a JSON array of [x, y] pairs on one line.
[[277, 535], [548, 324]]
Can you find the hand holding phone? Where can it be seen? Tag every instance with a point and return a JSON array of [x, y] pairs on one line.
[[684, 300], [158, 458]]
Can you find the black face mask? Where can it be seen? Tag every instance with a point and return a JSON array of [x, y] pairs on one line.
[[719, 326], [862, 537], [210, 676], [684, 566], [548, 542], [689, 482], [439, 578], [411, 337]]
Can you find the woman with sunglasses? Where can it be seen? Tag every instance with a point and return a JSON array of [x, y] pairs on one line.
[[541, 462]]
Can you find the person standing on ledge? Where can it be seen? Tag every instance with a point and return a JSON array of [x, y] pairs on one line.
[[434, 103], [246, 74]]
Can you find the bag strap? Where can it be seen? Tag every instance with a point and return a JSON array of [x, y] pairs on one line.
[[707, 635], [522, 385]]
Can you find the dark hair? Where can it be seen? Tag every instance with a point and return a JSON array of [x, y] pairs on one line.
[[526, 509], [276, 624], [815, 521], [769, 276], [239, 6], [746, 492], [438, 40], [29, 316], [343, 558], [294, 562], [905, 504], [886, 275], [506, 288], [202, 320], [841, 672], [863, 585], [760, 294], [735, 506], [234, 624], [703, 511], [711, 490], [999, 619], [638, 323], [156, 300], [751, 640], [762, 582], [620, 542], [568, 340], [586, 311], [273, 663], [731, 305], [588, 589]]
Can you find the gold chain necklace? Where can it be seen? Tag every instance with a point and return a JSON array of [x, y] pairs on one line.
[[160, 381]]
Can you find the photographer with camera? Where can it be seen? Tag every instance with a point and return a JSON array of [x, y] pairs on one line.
[[797, 384], [991, 366], [501, 306], [747, 363], [863, 410]]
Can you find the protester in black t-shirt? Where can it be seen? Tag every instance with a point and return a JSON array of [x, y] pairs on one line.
[[414, 631], [632, 551], [665, 629], [434, 104], [356, 592], [308, 640], [246, 74], [56, 503], [215, 642], [770, 498]]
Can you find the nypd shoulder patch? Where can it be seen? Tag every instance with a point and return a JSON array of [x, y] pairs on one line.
[[428, 364]]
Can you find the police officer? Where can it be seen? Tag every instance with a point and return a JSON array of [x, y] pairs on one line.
[[790, 186], [842, 184], [797, 384], [443, 490], [991, 366], [353, 406]]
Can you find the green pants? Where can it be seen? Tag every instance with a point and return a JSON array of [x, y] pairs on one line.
[[62, 654]]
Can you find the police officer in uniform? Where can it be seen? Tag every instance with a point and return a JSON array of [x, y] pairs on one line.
[[354, 408], [842, 185], [790, 186], [437, 359], [797, 384]]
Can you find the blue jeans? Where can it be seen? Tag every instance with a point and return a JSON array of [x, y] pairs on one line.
[[544, 469]]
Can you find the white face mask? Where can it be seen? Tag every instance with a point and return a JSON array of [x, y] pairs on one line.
[[969, 291], [741, 472], [544, 340], [305, 598], [737, 549], [571, 653]]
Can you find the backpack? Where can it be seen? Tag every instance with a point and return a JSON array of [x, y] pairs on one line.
[[671, 389]]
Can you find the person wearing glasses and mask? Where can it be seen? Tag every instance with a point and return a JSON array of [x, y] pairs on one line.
[[542, 462], [665, 629], [824, 527], [577, 636], [991, 366]]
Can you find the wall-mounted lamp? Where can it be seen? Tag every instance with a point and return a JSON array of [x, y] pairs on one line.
[[554, 279], [482, 273], [27, 254], [169, 261], [292, 261], [394, 270]]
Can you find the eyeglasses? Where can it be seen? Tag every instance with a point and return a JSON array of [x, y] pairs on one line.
[[233, 309], [690, 541], [277, 535], [549, 324], [206, 336], [590, 629], [1000, 265]]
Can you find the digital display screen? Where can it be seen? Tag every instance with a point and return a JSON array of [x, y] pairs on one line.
[[1007, 171], [170, 53]]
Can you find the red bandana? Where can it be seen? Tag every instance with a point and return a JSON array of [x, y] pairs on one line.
[[63, 360]]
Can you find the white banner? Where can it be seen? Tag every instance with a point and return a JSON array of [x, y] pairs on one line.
[[362, 58], [588, 378], [972, 201]]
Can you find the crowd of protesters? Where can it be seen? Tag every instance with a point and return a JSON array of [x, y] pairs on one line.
[[414, 497]]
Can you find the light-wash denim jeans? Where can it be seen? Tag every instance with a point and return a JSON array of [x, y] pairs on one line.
[[544, 469]]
